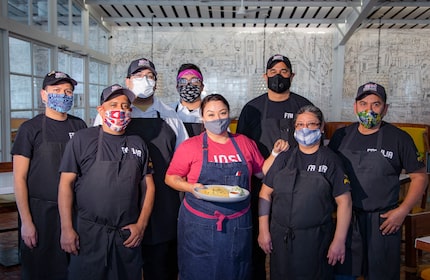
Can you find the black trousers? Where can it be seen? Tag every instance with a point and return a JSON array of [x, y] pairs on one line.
[[258, 255], [160, 261]]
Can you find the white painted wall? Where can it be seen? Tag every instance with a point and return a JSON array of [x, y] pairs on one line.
[[233, 61]]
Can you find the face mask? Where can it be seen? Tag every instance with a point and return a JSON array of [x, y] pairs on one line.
[[117, 120], [369, 119], [307, 137], [143, 87], [60, 102], [189, 93], [217, 126], [278, 83]]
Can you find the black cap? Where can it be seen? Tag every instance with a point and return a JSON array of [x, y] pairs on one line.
[[371, 88], [140, 64], [56, 77], [115, 90], [278, 58]]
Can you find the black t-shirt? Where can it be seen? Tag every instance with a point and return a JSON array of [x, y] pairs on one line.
[[81, 151], [397, 145], [252, 113], [30, 134], [330, 167]]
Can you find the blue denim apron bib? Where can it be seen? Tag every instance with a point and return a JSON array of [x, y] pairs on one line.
[[218, 247]]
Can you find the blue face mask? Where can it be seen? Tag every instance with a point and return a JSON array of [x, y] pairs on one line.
[[60, 102], [307, 137], [217, 126]]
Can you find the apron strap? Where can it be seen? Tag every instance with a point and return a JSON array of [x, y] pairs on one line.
[[220, 217]]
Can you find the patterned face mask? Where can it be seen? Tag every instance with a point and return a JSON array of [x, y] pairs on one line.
[[369, 119], [217, 126], [189, 92], [117, 120], [307, 137], [60, 102]]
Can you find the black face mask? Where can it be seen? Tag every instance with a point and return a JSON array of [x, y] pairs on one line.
[[278, 83]]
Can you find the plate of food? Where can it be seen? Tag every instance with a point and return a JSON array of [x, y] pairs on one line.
[[221, 193]]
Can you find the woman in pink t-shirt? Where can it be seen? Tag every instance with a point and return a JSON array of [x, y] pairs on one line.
[[214, 238]]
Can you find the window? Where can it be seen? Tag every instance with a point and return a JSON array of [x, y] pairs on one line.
[[74, 66], [99, 73], [29, 63], [69, 21], [99, 36], [20, 11]]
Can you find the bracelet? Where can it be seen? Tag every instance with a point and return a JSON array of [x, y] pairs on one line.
[[274, 154]]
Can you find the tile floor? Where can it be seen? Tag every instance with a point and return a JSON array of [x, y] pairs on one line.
[[9, 244]]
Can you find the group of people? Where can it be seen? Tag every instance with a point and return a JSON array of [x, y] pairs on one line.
[[118, 200]]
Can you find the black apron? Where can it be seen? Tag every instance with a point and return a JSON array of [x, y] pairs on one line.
[[108, 198], [271, 130], [159, 241], [301, 223], [47, 260], [375, 190], [161, 141], [193, 129]]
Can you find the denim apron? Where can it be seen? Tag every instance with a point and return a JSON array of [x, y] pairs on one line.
[[301, 223], [107, 198], [214, 238], [375, 190], [47, 260]]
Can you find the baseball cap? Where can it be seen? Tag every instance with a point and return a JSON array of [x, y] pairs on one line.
[[115, 90], [140, 64], [277, 58], [371, 88], [55, 77]]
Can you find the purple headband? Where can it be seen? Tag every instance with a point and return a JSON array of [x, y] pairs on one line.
[[190, 71]]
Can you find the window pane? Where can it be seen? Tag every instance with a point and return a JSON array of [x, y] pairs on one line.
[[42, 60], [94, 95], [19, 56], [77, 24], [18, 10], [40, 14], [103, 74], [94, 72], [20, 91], [78, 96], [77, 69], [63, 19], [37, 86], [93, 34]]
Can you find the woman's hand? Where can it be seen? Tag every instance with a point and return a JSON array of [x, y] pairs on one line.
[[198, 186], [280, 146]]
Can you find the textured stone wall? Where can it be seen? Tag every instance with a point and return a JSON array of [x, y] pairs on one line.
[[233, 61]]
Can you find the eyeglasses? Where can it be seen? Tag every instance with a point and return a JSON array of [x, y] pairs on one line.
[[310, 125], [193, 81], [141, 75]]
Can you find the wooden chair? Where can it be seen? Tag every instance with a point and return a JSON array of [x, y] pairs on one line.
[[416, 225]]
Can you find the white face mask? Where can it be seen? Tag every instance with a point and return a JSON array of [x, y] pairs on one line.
[[143, 87]]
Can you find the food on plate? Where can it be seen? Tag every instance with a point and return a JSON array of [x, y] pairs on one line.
[[215, 191]]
